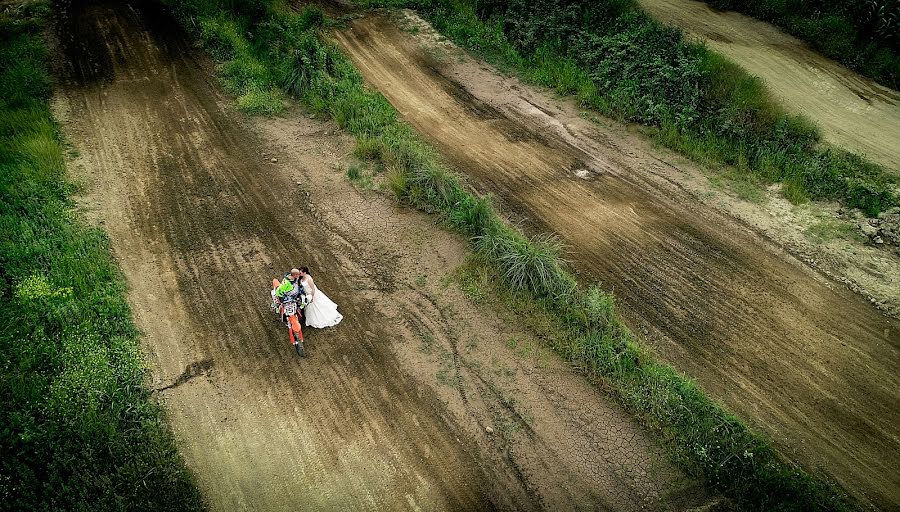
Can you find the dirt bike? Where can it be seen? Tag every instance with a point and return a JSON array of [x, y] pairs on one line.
[[289, 309]]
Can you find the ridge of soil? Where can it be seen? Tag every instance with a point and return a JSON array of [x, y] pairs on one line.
[[853, 111], [805, 360], [416, 401]]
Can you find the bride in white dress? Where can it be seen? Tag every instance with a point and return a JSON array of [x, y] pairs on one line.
[[321, 311]]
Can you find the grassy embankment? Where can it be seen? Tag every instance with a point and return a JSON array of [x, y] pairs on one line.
[[861, 34], [618, 61], [285, 48], [79, 428]]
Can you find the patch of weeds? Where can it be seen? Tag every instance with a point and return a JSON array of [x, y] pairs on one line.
[[428, 342], [827, 229], [447, 376], [421, 280], [354, 172], [745, 186], [357, 175], [526, 349], [794, 192], [473, 288], [261, 101], [501, 370], [437, 55], [507, 427]]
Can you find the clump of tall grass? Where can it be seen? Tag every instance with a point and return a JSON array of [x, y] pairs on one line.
[[241, 73], [701, 436], [80, 430]]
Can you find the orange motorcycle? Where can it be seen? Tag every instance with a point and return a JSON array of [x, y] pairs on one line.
[[290, 311]]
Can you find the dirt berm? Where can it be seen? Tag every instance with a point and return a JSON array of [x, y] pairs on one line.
[[803, 359], [416, 401]]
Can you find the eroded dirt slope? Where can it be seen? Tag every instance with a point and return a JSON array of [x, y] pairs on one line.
[[810, 363], [853, 111], [203, 210]]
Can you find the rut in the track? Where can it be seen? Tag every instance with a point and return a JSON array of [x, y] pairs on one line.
[[812, 364]]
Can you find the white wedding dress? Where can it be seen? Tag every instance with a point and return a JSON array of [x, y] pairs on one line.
[[321, 312]]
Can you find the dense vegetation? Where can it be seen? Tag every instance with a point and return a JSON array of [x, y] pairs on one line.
[[619, 61], [283, 47], [862, 34], [78, 430]]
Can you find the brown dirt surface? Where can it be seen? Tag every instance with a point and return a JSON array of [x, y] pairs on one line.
[[853, 111], [416, 401], [804, 359]]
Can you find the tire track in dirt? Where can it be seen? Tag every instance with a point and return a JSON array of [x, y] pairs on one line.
[[813, 365], [853, 111], [200, 220]]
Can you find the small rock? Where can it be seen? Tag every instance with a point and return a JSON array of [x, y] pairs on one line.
[[878, 240], [274, 160], [489, 430], [868, 229]]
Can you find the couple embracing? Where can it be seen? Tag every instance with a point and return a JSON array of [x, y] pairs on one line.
[[320, 311]]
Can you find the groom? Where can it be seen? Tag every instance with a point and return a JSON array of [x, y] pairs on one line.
[[290, 288]]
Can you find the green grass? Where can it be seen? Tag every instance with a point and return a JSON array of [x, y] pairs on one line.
[[700, 435], [827, 229], [80, 430], [618, 61]]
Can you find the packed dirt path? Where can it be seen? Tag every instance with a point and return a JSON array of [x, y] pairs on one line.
[[853, 111], [416, 401], [810, 363]]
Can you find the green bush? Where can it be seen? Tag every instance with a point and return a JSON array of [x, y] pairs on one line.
[[79, 427]]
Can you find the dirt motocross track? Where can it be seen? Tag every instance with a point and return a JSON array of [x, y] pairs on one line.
[[415, 402], [813, 365]]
